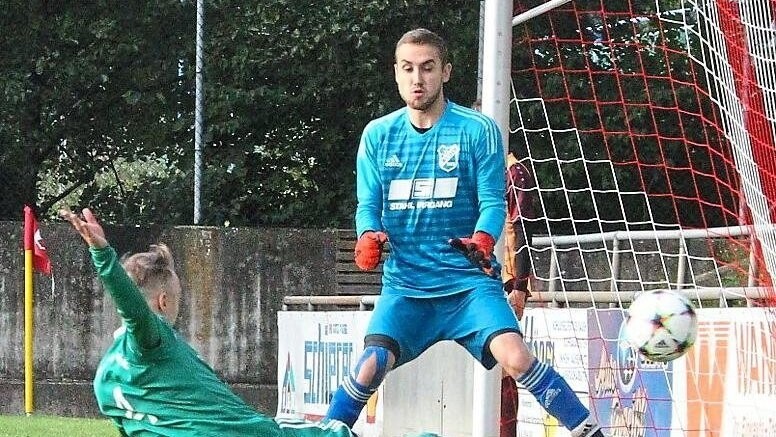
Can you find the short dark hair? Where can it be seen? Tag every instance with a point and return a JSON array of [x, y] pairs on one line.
[[425, 36]]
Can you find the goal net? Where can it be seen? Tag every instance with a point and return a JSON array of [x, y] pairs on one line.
[[649, 129]]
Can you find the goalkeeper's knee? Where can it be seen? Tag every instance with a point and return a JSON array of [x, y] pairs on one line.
[[374, 364], [349, 400]]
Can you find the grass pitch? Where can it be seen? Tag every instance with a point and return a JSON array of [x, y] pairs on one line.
[[43, 426]]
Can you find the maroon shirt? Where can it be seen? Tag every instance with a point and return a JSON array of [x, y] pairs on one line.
[[519, 183]]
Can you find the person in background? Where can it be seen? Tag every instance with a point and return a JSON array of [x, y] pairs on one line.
[[430, 178], [150, 381], [517, 273]]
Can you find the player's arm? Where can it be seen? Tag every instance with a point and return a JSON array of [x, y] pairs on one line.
[[510, 236], [130, 302], [508, 264], [369, 192], [369, 189], [490, 164]]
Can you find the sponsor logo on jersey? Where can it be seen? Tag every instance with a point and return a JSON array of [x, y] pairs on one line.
[[422, 193], [393, 162], [448, 157]]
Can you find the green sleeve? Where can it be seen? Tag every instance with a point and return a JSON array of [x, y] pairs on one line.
[[139, 320]]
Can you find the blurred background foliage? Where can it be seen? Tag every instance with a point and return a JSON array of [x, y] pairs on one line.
[[97, 108], [97, 104]]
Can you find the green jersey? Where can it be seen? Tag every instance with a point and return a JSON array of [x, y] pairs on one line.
[[152, 383]]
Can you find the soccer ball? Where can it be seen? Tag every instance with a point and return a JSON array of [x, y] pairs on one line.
[[661, 325]]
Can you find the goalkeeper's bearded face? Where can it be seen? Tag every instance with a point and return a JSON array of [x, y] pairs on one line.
[[420, 74]]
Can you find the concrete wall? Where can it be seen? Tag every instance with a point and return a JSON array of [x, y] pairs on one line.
[[234, 281]]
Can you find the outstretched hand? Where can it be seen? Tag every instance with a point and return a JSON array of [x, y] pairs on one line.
[[88, 227], [478, 249], [517, 299]]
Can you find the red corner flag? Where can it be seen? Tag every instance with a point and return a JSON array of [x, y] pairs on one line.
[[34, 242]]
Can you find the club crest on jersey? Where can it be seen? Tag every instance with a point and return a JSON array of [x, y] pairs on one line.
[[448, 157]]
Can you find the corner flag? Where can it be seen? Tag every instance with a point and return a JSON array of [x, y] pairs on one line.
[[33, 242], [35, 258]]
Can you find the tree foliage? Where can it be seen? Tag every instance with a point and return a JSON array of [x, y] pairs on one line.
[[97, 98], [83, 85], [97, 107]]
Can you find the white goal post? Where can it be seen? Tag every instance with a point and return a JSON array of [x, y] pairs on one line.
[[496, 96], [496, 53]]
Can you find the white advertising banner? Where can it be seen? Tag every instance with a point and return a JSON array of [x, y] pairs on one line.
[[557, 337], [316, 350], [724, 386]]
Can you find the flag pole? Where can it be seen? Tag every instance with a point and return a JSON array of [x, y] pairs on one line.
[[29, 236]]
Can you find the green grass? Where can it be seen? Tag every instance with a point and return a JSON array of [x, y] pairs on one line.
[[44, 426]]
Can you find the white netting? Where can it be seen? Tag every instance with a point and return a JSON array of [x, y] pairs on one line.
[[737, 56], [638, 127], [649, 128]]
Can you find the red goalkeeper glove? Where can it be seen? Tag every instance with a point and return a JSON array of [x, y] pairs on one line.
[[478, 249], [369, 248]]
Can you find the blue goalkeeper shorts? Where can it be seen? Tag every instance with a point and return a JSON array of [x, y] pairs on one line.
[[472, 319]]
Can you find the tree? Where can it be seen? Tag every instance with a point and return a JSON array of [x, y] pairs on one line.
[[303, 80], [83, 85], [98, 102]]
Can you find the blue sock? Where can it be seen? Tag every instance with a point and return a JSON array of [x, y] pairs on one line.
[[348, 401], [554, 394]]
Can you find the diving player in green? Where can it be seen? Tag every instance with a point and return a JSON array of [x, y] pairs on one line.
[[150, 382]]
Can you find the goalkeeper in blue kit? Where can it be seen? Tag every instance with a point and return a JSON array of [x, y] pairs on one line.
[[150, 382], [430, 181]]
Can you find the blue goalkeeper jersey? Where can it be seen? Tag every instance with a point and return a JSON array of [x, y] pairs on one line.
[[423, 189]]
